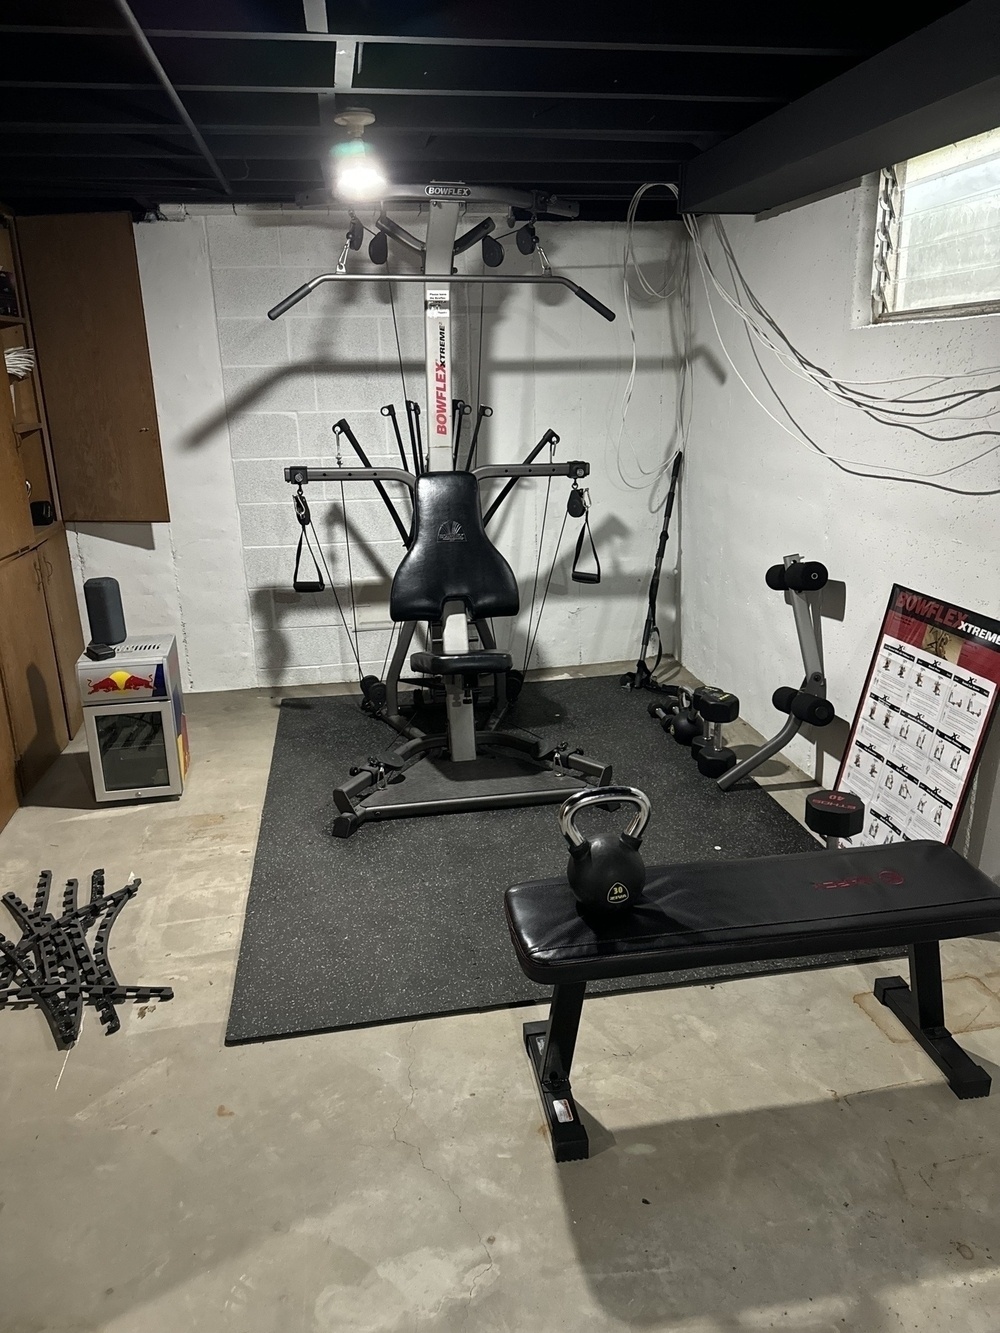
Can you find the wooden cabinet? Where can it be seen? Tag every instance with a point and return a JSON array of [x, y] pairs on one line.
[[64, 622], [85, 307], [29, 669], [15, 515]]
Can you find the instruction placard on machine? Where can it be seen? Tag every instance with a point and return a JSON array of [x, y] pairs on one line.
[[931, 692]]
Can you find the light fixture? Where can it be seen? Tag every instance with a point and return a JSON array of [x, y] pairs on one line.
[[357, 172]]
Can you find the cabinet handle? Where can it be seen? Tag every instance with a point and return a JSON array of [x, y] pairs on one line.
[[49, 571], [27, 487], [40, 579]]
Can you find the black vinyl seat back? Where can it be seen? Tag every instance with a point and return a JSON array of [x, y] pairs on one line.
[[450, 556]]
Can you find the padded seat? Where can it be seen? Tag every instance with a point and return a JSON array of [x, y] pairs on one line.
[[454, 664], [717, 912]]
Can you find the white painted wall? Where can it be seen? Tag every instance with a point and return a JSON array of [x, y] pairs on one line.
[[548, 360], [238, 397], [185, 577], [751, 494]]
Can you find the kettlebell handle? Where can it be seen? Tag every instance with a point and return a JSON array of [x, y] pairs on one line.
[[599, 796]]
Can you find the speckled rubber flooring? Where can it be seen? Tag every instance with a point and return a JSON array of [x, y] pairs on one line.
[[404, 919]]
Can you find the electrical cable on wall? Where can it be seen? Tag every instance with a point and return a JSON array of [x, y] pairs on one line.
[[900, 410], [675, 284]]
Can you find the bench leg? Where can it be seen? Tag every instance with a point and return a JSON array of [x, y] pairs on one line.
[[919, 1006], [550, 1048]]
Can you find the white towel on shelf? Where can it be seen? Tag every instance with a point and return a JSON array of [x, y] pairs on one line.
[[20, 361]]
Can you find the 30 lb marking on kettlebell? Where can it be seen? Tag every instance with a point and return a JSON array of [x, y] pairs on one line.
[[618, 893]]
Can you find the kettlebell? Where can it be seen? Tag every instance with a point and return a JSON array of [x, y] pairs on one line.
[[606, 872]]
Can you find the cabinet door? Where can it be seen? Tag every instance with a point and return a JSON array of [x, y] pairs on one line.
[[85, 305], [15, 515], [8, 768], [30, 671], [64, 622]]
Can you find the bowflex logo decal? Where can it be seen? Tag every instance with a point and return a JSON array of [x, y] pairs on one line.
[[888, 877], [119, 682], [441, 383], [452, 531]]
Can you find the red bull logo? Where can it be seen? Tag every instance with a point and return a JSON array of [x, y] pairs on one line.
[[119, 682]]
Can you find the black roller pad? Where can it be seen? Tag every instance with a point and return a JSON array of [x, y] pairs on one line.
[[405, 919]]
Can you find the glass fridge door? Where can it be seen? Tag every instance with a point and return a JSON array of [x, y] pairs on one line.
[[133, 750]]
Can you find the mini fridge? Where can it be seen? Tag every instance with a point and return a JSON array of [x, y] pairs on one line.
[[133, 712]]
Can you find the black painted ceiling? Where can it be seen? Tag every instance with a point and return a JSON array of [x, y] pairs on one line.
[[583, 100]]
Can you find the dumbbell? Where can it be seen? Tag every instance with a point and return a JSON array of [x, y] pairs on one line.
[[716, 707], [664, 710], [834, 815], [801, 576], [811, 708]]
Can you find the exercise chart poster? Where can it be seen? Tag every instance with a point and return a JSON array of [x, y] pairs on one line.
[[923, 717]]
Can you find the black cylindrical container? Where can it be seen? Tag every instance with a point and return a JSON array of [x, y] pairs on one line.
[[104, 611]]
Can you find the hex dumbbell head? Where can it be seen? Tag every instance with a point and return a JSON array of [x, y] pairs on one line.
[[715, 704], [713, 762], [835, 814]]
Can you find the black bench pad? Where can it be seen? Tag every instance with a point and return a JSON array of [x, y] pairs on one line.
[[714, 912], [454, 664]]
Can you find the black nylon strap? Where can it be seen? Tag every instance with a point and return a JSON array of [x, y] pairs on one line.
[[582, 575], [305, 519]]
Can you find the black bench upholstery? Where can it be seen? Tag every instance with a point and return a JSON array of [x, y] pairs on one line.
[[453, 664], [450, 557], [716, 912]]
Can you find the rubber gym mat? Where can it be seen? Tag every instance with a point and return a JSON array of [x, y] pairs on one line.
[[404, 919]]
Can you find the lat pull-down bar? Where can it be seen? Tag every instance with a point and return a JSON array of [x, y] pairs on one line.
[[551, 280]]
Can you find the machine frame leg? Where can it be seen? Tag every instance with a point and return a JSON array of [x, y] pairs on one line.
[[550, 1045], [919, 1006]]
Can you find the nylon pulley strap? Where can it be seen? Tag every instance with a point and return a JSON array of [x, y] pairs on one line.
[[305, 522], [586, 575]]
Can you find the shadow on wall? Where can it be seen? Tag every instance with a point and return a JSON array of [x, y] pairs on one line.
[[272, 376], [138, 535], [978, 836], [283, 612], [36, 755], [807, 1214]]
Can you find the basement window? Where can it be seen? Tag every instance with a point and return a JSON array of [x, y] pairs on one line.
[[937, 235]]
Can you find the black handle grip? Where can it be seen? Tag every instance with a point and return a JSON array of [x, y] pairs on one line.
[[299, 294], [592, 301]]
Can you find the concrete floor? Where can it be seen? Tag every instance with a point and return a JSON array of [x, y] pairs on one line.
[[771, 1153]]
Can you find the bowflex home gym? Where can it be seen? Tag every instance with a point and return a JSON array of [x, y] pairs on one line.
[[549, 460], [452, 579]]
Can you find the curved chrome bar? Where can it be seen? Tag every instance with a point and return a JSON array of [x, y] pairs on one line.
[[598, 796], [435, 279]]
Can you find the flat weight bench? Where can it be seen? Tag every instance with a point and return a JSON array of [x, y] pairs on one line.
[[716, 912]]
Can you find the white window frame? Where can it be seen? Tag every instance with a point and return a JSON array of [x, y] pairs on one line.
[[887, 224]]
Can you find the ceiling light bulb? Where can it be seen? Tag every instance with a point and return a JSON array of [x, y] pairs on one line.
[[357, 172], [361, 181]]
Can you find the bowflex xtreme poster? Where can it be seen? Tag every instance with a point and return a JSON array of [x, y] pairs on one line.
[[923, 717]]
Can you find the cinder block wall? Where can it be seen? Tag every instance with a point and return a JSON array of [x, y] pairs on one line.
[[238, 397]]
